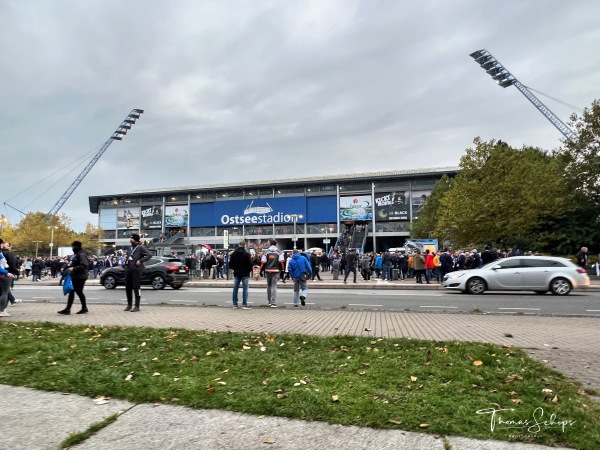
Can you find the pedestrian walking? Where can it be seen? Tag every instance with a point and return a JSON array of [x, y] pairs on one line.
[[351, 260], [272, 263], [5, 282], [300, 270], [79, 269], [241, 264], [419, 263]]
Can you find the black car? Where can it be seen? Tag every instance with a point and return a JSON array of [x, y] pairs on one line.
[[158, 272]]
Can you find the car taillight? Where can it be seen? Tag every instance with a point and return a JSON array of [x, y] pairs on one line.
[[171, 267], [581, 270]]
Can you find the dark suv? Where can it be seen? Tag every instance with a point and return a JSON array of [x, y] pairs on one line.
[[158, 272]]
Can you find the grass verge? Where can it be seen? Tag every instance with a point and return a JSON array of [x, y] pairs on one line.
[[433, 387], [78, 438]]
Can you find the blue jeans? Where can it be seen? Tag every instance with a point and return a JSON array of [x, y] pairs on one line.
[[300, 287], [236, 286], [386, 272]]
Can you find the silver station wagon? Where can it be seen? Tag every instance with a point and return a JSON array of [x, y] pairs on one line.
[[520, 273]]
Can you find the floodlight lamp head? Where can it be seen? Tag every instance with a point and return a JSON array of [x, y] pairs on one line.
[[501, 76], [477, 54], [506, 83], [488, 65]]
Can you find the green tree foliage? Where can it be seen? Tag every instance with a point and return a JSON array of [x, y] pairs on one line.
[[500, 195], [583, 153], [425, 226], [34, 227]]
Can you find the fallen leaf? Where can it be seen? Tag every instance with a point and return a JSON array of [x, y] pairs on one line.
[[297, 384], [478, 362], [156, 374], [395, 422], [547, 391], [555, 399], [245, 347], [335, 398], [143, 344], [156, 404], [424, 425], [124, 349], [222, 383], [261, 417], [210, 389], [508, 335], [362, 373], [516, 401], [208, 353], [269, 441], [129, 377], [413, 378], [262, 349], [281, 395], [73, 346]]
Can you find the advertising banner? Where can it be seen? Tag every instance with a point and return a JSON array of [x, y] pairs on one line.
[[419, 198], [391, 206], [152, 217], [128, 218], [176, 216], [357, 207]]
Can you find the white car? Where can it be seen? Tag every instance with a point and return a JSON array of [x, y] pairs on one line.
[[520, 273]]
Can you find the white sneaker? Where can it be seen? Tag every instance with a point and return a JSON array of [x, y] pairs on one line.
[[4, 314], [17, 300]]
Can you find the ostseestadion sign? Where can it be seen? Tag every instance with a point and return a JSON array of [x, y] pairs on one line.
[[261, 211]]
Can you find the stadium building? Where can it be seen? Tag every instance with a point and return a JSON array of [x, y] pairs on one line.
[[370, 211]]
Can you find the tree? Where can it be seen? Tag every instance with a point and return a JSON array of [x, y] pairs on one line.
[[501, 193], [582, 154], [34, 227], [425, 225]]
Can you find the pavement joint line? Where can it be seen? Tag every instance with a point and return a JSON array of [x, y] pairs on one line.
[[524, 309], [441, 306], [361, 304]]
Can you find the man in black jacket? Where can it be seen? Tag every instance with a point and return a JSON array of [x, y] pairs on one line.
[[351, 260], [12, 268], [137, 255], [241, 264]]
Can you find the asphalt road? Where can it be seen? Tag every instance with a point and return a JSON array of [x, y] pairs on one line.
[[578, 303]]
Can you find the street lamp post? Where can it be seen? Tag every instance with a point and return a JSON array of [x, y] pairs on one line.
[[294, 218], [51, 227], [37, 243]]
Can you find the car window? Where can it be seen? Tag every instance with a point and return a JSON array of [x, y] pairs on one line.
[[153, 261], [510, 263], [541, 263]]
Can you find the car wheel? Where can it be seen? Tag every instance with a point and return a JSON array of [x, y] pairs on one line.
[[176, 286], [560, 286], [158, 282], [540, 292], [476, 286], [110, 282]]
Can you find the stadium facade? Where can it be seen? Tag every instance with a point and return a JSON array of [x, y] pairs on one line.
[[311, 211]]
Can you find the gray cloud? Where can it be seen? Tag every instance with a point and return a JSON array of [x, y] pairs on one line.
[[242, 91]]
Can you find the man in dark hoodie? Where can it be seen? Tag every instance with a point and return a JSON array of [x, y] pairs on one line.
[[241, 264]]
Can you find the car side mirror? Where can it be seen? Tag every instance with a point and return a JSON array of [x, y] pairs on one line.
[[497, 267]]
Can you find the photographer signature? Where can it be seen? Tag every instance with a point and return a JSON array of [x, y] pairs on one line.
[[535, 425]]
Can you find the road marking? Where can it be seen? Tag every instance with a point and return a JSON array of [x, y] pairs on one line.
[[192, 300], [361, 304], [524, 309], [592, 310], [45, 298], [453, 307]]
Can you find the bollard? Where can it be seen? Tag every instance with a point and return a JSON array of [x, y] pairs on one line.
[[336, 274], [394, 274]]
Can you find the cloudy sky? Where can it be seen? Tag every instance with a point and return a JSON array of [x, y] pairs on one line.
[[257, 90]]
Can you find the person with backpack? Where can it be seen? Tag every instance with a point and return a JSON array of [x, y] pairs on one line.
[[79, 269], [272, 263], [300, 271]]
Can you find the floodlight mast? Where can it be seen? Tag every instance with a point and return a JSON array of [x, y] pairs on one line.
[[505, 79], [116, 136]]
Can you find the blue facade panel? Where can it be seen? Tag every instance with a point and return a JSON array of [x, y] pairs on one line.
[[202, 215], [322, 209]]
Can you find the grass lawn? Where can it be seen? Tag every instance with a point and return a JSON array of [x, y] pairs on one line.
[[432, 387]]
